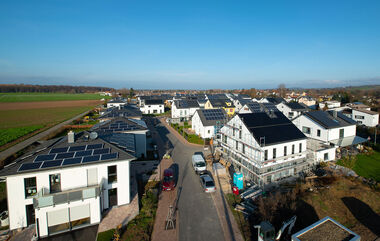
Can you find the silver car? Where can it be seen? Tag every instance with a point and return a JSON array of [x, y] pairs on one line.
[[207, 183]]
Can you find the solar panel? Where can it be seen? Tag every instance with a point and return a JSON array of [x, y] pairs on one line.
[[59, 150], [46, 157], [65, 155], [83, 153], [90, 158], [72, 161], [77, 148], [109, 156], [102, 151], [55, 163], [94, 146], [29, 166]]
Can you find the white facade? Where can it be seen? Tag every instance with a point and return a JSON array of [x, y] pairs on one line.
[[115, 104], [287, 111], [330, 104], [152, 109], [183, 113], [263, 164], [200, 129], [88, 181], [306, 101], [365, 117]]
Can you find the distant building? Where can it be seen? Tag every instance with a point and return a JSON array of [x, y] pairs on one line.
[[117, 102], [307, 100], [291, 109], [152, 106], [329, 104], [363, 116], [127, 111]]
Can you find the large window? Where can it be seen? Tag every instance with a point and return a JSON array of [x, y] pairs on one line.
[[112, 174], [55, 183], [306, 129], [274, 153], [341, 133], [30, 184]]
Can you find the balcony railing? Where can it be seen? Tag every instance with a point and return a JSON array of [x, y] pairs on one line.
[[52, 199]]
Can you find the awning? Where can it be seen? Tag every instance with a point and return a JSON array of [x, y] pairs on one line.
[[349, 141]]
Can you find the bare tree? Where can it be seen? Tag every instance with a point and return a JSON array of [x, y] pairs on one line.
[[282, 90]]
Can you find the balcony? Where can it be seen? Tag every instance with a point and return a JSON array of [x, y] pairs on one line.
[[47, 200]]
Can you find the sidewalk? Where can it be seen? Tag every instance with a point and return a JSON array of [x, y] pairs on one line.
[[165, 199], [227, 220], [179, 137]]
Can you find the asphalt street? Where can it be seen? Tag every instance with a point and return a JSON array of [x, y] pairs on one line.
[[198, 218]]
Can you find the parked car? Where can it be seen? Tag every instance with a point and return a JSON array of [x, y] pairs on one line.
[[207, 183], [168, 182], [199, 163]]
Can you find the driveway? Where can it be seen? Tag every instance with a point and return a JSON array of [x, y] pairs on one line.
[[198, 218]]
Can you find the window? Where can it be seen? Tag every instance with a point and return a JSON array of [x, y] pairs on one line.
[[243, 149], [318, 132], [293, 147], [30, 186], [55, 183], [300, 147], [240, 134], [237, 145], [112, 174], [274, 153], [359, 117], [306, 129], [266, 155], [233, 131], [285, 151], [208, 131], [225, 139], [341, 133], [326, 156]]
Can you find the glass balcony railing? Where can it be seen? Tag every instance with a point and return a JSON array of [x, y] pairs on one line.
[[52, 199]]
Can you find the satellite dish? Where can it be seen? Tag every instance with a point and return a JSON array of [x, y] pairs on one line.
[[93, 135]]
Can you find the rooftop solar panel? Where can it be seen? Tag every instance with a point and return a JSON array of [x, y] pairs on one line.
[[55, 163], [72, 161], [59, 150], [109, 156], [29, 166], [94, 146], [46, 157], [83, 153], [90, 158], [65, 155], [77, 148], [102, 151]]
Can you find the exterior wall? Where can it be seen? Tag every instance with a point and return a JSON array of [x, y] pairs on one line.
[[185, 113], [320, 155], [109, 105], [365, 118], [71, 179], [152, 109], [306, 101], [330, 104], [202, 131], [244, 110]]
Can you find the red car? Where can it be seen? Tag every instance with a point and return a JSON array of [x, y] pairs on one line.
[[168, 182]]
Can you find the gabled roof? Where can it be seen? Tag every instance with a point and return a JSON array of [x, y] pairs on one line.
[[50, 158], [221, 103], [117, 100], [154, 102], [212, 117], [256, 107], [217, 96], [185, 104], [124, 111], [275, 100], [271, 128], [120, 124], [295, 106], [327, 119]]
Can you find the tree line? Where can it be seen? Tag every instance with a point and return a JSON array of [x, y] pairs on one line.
[[15, 88]]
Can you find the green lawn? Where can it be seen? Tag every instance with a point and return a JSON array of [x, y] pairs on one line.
[[28, 97], [10, 134], [367, 166]]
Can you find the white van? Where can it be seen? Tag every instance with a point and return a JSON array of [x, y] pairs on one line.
[[199, 163]]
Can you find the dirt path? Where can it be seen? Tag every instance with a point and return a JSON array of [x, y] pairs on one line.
[[47, 104]]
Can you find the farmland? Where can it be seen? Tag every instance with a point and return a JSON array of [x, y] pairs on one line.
[[29, 97]]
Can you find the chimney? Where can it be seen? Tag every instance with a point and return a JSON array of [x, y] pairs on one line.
[[70, 137]]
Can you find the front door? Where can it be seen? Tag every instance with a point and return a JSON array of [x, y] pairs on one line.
[[30, 215]]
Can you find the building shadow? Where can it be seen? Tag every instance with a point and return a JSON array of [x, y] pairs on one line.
[[306, 216], [363, 213]]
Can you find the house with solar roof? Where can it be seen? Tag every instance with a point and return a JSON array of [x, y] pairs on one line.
[[265, 146], [67, 183], [183, 110], [116, 102], [207, 122], [226, 104], [291, 109], [255, 107], [126, 111], [127, 134], [152, 106]]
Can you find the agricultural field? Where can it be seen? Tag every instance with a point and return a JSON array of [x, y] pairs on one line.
[[34, 97]]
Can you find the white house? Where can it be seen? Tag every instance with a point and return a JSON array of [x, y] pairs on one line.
[[183, 110], [307, 100], [254, 107], [126, 111], [152, 106], [291, 109], [117, 102], [66, 184], [331, 104], [363, 116], [266, 147], [207, 122]]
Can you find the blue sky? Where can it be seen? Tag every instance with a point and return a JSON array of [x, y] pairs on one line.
[[190, 44]]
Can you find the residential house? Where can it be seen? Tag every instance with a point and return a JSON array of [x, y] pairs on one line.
[[126, 111], [273, 100], [183, 110], [117, 102], [207, 122], [363, 116], [152, 106], [307, 100], [225, 104], [254, 107], [265, 146], [330, 104], [66, 184], [291, 109], [358, 105]]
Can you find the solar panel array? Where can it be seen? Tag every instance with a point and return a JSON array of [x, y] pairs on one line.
[[256, 107], [213, 114], [139, 122], [124, 141], [70, 155], [119, 126]]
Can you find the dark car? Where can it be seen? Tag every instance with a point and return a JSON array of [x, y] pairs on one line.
[[168, 182]]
